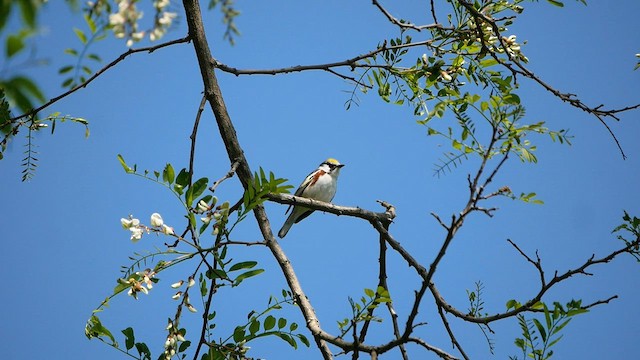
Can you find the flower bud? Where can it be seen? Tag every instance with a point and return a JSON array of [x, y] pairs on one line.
[[156, 220]]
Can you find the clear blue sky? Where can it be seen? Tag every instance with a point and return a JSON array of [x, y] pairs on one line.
[[62, 234]]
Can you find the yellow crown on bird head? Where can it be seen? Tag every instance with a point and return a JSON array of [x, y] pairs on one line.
[[332, 161]]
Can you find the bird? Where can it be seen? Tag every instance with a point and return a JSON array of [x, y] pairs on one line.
[[320, 185]]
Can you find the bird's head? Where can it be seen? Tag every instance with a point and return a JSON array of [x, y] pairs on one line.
[[331, 166]]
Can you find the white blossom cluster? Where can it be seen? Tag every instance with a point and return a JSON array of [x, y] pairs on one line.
[[137, 229], [124, 23]]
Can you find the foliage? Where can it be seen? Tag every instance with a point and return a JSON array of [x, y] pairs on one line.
[[630, 226], [539, 336]]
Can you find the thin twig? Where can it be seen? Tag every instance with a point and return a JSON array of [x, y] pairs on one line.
[[403, 24], [149, 49], [454, 341]]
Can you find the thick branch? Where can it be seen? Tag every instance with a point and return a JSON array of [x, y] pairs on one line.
[[213, 94], [368, 215]]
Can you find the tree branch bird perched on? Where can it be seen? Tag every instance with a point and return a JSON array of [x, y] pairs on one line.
[[320, 185]]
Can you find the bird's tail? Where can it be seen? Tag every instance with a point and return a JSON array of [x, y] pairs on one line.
[[287, 225]]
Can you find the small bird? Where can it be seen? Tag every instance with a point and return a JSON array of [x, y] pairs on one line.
[[320, 185]]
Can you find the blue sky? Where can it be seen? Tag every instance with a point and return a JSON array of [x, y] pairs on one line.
[[65, 245]]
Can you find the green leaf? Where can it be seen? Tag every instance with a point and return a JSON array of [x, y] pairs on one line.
[[65, 69], [80, 35], [247, 275], [282, 322], [511, 99], [288, 339], [28, 11], [216, 274], [184, 346], [254, 327], [196, 190], [370, 293], [304, 340], [168, 174], [95, 328], [238, 334], [90, 23], [541, 329], [143, 351], [126, 167], [28, 86], [556, 3], [243, 265], [269, 323], [130, 339], [15, 43], [182, 181]]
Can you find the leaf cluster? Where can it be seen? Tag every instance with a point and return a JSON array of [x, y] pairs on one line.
[[539, 335]]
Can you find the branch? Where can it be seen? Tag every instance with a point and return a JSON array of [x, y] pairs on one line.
[[235, 153], [439, 352], [517, 68], [368, 215], [545, 287], [149, 49], [407, 25], [455, 342], [194, 133], [351, 63]]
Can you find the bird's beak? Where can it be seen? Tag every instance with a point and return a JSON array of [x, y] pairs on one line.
[[341, 165]]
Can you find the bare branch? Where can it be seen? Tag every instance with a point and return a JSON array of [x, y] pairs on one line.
[[232, 171], [350, 63], [528, 306], [194, 134], [149, 49], [455, 342], [439, 352], [407, 25]]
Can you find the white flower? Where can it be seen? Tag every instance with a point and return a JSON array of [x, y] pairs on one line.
[[167, 230], [191, 281], [178, 284], [445, 75], [206, 220], [177, 295], [136, 233], [161, 4], [191, 308], [116, 19], [156, 220], [137, 36], [203, 206], [167, 18], [129, 223]]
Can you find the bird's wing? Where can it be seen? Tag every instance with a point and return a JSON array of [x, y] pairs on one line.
[[309, 180]]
